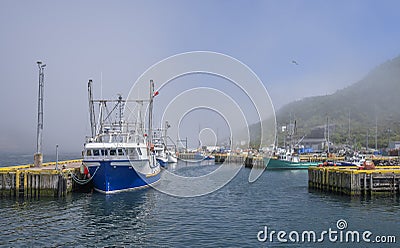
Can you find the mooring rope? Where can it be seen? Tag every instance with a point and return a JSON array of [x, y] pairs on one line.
[[82, 181]]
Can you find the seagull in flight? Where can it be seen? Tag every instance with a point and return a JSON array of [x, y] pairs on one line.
[[295, 62]]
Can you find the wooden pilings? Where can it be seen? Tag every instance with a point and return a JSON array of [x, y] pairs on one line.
[[351, 181], [186, 156], [236, 159], [24, 181], [248, 161]]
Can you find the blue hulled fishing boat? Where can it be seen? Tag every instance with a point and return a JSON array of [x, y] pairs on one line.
[[118, 154]]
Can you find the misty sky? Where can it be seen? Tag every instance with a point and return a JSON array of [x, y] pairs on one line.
[[335, 43]]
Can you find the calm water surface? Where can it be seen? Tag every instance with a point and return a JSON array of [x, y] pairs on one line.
[[230, 217]]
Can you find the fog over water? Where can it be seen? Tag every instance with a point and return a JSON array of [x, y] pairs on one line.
[[297, 49]]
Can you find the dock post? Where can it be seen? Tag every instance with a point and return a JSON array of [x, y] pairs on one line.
[[371, 184], [398, 186], [60, 186], [25, 184], [365, 184], [17, 182], [36, 186], [29, 187]]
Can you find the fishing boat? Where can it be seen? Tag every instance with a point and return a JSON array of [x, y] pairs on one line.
[[163, 155], [287, 162], [118, 155], [356, 160], [203, 156], [160, 152], [288, 159], [163, 151], [172, 158]]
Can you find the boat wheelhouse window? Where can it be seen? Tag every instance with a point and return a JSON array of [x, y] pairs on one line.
[[96, 152], [118, 139], [132, 153], [113, 152], [120, 152], [139, 151], [89, 153], [103, 152]]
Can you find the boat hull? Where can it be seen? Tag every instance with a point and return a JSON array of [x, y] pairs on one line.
[[277, 164], [209, 158], [113, 177], [172, 159], [200, 156], [162, 161]]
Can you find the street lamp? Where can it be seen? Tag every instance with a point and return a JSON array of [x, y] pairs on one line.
[[57, 157]]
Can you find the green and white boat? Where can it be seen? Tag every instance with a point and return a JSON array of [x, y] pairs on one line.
[[287, 162]]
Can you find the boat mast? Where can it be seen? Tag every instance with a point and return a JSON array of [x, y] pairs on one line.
[[294, 138], [165, 132], [101, 115], [327, 126], [120, 112], [150, 135], [376, 130], [91, 109], [139, 125], [349, 128]]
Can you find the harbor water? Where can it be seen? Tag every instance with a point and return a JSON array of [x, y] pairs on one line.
[[233, 216]]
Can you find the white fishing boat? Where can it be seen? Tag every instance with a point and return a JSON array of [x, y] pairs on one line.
[[164, 153], [172, 158], [160, 152], [116, 154]]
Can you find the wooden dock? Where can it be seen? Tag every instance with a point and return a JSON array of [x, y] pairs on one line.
[[351, 181], [318, 158], [34, 182], [247, 160]]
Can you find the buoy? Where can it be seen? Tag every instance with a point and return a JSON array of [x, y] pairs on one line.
[[86, 171], [369, 165]]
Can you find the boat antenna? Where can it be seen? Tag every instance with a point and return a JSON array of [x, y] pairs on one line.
[[101, 85]]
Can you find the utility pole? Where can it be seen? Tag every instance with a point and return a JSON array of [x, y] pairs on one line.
[[38, 156]]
